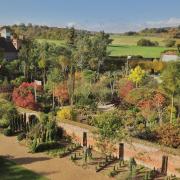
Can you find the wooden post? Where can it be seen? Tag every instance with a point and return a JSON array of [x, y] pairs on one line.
[[85, 139], [121, 151], [164, 165]]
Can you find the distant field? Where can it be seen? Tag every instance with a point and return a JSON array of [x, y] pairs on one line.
[[127, 45], [125, 50], [132, 40]]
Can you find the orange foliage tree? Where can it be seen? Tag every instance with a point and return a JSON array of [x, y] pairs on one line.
[[61, 93], [155, 104]]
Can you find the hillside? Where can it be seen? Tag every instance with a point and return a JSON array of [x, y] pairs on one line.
[[122, 44]]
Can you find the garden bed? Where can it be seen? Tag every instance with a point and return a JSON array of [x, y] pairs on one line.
[[108, 166]]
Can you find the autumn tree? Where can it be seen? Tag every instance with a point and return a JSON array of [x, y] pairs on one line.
[[23, 96], [158, 66], [154, 106], [61, 92], [169, 135], [159, 101], [125, 86], [147, 110], [136, 75]]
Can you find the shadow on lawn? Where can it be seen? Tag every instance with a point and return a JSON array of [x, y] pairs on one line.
[[26, 160]]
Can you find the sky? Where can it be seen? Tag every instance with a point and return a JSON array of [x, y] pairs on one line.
[[96, 15]]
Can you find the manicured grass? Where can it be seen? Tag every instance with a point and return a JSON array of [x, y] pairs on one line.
[[10, 171], [125, 50]]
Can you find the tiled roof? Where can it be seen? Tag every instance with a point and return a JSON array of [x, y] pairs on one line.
[[6, 45]]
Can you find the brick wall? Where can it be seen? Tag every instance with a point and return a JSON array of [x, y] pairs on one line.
[[146, 155]]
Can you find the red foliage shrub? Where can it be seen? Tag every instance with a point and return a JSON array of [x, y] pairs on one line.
[[23, 96], [156, 101], [125, 88], [146, 104], [61, 92]]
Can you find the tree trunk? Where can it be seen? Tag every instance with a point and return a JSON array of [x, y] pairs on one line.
[[172, 106], [136, 84], [44, 78], [72, 86]]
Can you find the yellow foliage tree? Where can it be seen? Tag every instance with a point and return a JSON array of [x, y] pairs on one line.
[[158, 66], [66, 113], [136, 75]]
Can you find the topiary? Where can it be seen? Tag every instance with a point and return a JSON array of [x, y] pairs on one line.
[[21, 136], [8, 132]]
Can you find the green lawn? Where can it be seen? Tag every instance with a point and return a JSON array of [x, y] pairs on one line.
[[10, 171], [125, 50]]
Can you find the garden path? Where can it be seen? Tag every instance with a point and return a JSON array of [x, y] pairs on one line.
[[52, 168]]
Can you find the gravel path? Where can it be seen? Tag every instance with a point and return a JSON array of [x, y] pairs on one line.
[[52, 168]]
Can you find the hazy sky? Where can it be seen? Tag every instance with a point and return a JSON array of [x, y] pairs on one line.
[[108, 15]]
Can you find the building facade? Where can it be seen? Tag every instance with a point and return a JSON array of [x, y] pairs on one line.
[[9, 45]]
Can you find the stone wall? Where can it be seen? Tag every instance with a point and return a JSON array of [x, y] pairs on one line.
[[145, 154]]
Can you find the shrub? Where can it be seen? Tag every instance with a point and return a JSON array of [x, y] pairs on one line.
[[113, 173], [21, 136], [147, 134], [44, 131], [109, 125], [147, 42], [46, 146], [7, 112], [125, 86], [61, 92], [169, 135], [7, 132], [4, 123], [170, 43], [23, 96], [18, 81], [67, 114]]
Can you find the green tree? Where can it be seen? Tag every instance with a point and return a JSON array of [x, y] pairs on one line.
[[171, 82], [99, 44], [24, 56], [110, 129], [54, 77]]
